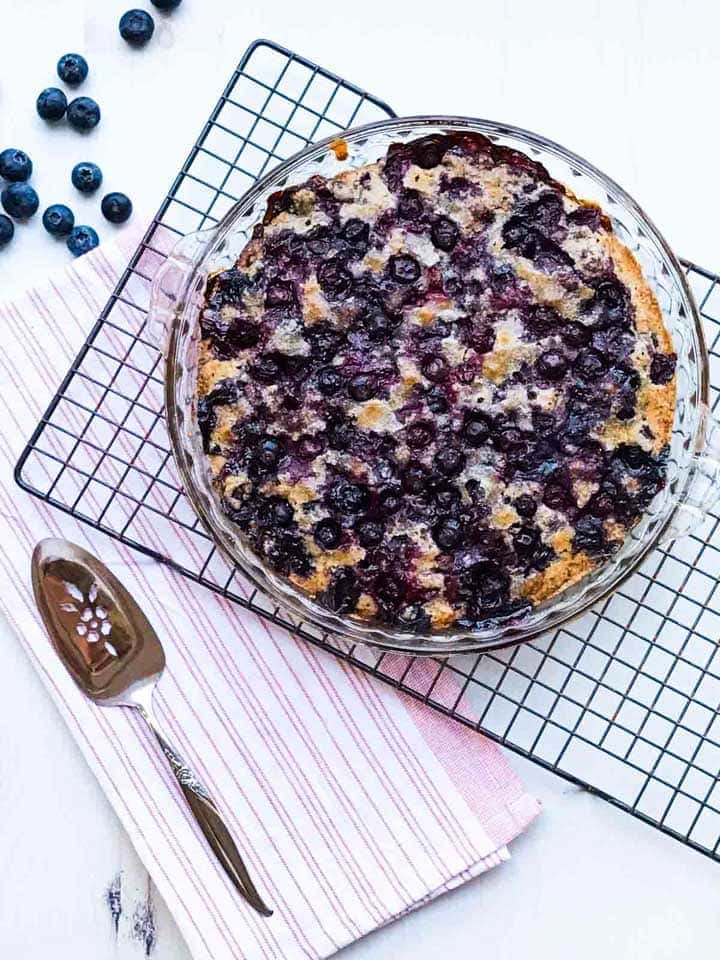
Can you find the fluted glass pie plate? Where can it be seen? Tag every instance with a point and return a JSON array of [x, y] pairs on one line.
[[693, 469]]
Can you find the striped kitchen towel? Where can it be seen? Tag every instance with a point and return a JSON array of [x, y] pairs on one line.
[[351, 804]]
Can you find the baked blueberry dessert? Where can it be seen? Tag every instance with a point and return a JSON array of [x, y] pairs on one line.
[[436, 390]]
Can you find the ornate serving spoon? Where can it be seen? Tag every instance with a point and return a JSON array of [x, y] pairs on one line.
[[113, 654]]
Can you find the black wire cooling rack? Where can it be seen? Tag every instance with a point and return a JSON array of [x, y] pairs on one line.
[[623, 701]]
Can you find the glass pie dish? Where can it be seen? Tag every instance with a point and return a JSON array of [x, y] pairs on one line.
[[693, 468]]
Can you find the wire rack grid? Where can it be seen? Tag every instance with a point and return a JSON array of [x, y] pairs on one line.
[[623, 701]]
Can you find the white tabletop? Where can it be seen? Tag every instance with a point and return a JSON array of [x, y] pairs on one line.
[[631, 85]]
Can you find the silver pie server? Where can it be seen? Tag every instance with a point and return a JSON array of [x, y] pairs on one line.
[[113, 654]]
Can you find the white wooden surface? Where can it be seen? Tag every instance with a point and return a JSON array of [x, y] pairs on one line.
[[628, 83]]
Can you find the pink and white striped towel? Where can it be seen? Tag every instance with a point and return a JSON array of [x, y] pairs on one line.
[[350, 804]]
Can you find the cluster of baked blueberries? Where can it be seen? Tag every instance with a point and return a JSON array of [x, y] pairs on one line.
[[19, 198], [586, 361]]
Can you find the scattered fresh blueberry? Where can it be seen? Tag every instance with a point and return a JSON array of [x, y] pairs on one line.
[[58, 220], [136, 27], [83, 113], [51, 104], [15, 165], [82, 240], [20, 200], [166, 4], [72, 69], [86, 177], [7, 229]]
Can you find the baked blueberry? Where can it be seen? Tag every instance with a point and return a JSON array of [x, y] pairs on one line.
[[343, 591], [86, 177], [269, 451], [369, 533], [419, 434], [552, 365], [7, 230], [51, 104], [117, 208], [477, 430], [404, 268], [448, 533], [72, 68], [449, 461], [136, 27], [348, 498], [83, 114], [58, 220], [434, 368], [526, 505], [15, 165], [20, 201], [362, 387], [589, 365], [662, 367], [355, 231], [327, 534], [81, 240], [444, 233], [335, 280], [329, 380]]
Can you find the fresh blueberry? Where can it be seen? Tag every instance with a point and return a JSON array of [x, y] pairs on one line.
[[86, 177], [327, 534], [444, 233], [20, 200], [117, 207], [7, 229], [136, 27], [82, 240], [51, 104], [72, 69], [15, 165], [58, 220], [166, 5], [83, 113]]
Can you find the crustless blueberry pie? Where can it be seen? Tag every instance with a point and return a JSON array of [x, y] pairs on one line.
[[436, 390]]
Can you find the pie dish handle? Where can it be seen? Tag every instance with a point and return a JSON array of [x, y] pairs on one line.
[[703, 489], [170, 285]]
